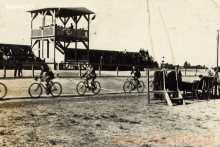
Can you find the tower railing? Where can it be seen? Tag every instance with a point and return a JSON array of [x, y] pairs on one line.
[[60, 31]]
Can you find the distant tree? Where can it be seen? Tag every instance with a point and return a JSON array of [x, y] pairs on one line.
[[145, 58], [156, 64], [186, 64]]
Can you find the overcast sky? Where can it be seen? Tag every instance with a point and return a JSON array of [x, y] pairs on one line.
[[180, 30]]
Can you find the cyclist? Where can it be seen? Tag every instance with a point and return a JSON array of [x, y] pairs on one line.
[[136, 72], [48, 76], [89, 74]]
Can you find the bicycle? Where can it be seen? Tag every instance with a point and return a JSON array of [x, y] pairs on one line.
[[82, 86], [3, 90], [131, 84], [54, 88]]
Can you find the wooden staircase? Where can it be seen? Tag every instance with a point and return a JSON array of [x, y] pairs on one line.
[[171, 97]]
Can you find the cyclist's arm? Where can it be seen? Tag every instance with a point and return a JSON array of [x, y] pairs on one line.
[[41, 73], [84, 74]]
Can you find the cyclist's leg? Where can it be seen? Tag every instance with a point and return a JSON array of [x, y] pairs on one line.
[[135, 80], [87, 80], [43, 78], [138, 82], [93, 79], [48, 79], [47, 86]]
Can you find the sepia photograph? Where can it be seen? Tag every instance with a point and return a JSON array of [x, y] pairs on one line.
[[114, 73]]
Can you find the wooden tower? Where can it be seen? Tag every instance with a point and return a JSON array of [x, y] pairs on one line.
[[59, 37]]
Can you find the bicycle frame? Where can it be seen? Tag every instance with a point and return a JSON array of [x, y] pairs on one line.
[[87, 85], [132, 80], [51, 82], [132, 84]]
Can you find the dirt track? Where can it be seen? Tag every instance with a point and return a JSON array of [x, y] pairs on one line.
[[19, 87], [95, 121]]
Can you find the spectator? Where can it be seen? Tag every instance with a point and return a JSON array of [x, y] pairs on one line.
[[15, 64], [101, 62], [71, 28], [20, 67], [21, 58]]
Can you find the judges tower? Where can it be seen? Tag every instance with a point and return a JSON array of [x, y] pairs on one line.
[[59, 37]]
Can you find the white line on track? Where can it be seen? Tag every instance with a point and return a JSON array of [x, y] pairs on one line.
[[62, 97]]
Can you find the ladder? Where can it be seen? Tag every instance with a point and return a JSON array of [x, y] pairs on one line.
[[170, 100], [169, 95]]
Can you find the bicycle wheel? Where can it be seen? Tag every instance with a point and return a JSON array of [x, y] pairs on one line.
[[56, 89], [3, 90], [81, 88], [127, 87], [96, 87], [35, 90], [140, 87]]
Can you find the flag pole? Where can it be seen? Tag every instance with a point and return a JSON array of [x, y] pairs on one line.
[[217, 51], [216, 74]]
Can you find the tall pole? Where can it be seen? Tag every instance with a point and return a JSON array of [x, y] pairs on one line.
[[217, 51], [216, 74], [88, 39]]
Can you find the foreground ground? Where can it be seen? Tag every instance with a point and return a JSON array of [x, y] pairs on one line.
[[104, 120]]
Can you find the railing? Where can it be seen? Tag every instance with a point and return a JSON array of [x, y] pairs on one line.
[[74, 68], [47, 31], [34, 68], [60, 31], [36, 33]]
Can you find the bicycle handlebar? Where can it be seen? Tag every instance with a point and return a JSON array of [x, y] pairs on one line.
[[36, 78]]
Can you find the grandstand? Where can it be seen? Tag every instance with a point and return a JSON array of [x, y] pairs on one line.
[[23, 53], [110, 57], [16, 52]]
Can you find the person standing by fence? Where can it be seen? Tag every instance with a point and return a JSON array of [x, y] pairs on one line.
[[20, 63], [15, 64], [101, 62]]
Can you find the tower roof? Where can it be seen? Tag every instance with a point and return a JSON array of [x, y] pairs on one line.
[[65, 11]]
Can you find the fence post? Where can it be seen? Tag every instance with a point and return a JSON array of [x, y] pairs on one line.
[[117, 71], [32, 70], [148, 88], [185, 71], [146, 70], [4, 70], [58, 69], [196, 72], [99, 70], [79, 70]]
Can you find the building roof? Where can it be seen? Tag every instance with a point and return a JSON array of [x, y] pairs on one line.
[[14, 45], [100, 50], [65, 11]]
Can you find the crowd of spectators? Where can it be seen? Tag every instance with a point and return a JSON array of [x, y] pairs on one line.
[[123, 58], [17, 55]]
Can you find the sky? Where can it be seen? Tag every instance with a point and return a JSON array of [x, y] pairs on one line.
[[179, 30]]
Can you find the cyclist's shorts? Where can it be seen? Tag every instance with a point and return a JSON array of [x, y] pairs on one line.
[[91, 76], [51, 74], [48, 79]]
